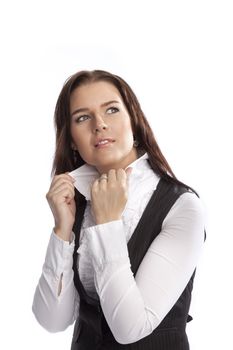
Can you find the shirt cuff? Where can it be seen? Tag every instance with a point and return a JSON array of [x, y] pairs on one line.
[[107, 243], [59, 255]]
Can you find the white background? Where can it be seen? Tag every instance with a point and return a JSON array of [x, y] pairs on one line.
[[178, 58]]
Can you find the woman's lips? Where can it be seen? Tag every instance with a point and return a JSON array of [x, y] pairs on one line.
[[104, 145], [103, 139]]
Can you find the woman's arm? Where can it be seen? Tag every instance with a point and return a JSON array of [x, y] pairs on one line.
[[135, 307], [56, 301]]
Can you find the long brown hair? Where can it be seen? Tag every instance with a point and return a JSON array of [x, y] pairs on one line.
[[64, 158]]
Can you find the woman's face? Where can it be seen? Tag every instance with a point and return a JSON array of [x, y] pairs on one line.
[[102, 115]]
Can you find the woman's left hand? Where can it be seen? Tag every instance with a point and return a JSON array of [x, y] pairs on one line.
[[109, 196]]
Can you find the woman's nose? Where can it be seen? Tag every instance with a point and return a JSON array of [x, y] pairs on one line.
[[100, 125]]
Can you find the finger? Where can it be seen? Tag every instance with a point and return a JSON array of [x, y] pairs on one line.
[[64, 194], [73, 179], [63, 186], [112, 176], [95, 186], [102, 184], [65, 176], [102, 180], [60, 197], [128, 171], [59, 182], [62, 177], [121, 175]]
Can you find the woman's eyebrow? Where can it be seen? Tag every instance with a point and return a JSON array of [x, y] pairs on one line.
[[86, 109]]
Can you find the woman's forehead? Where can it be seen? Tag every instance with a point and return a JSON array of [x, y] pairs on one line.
[[94, 93]]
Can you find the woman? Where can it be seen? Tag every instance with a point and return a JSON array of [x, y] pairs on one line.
[[127, 234]]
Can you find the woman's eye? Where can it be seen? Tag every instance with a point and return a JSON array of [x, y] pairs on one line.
[[113, 109], [81, 118]]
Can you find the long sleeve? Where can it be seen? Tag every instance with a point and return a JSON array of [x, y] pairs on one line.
[[134, 307], [56, 301]]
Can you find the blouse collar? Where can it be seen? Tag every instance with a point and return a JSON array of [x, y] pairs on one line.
[[87, 174]]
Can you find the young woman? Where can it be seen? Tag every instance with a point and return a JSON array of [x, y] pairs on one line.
[[127, 233]]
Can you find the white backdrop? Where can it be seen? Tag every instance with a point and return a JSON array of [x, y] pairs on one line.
[[177, 56]]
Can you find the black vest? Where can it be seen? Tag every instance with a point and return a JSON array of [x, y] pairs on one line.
[[91, 331]]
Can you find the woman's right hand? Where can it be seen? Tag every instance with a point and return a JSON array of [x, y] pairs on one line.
[[61, 201]]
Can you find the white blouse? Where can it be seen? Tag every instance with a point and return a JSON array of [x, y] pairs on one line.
[[133, 307]]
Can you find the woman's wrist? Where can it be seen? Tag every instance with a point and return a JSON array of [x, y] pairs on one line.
[[103, 220], [63, 234]]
